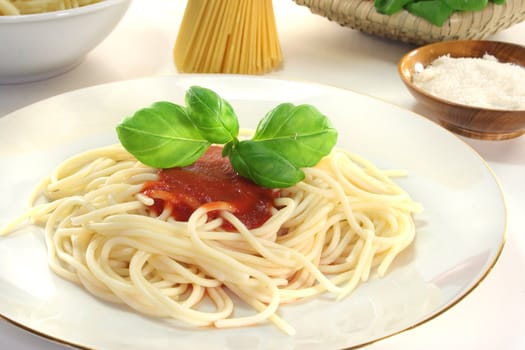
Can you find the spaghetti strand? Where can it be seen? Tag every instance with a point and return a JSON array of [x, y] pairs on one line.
[[343, 224]]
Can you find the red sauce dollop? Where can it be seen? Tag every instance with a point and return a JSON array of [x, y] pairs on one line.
[[211, 181]]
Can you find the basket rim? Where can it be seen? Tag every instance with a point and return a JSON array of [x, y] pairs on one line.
[[404, 26]]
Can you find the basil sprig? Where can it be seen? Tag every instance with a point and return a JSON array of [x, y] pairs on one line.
[[288, 138]]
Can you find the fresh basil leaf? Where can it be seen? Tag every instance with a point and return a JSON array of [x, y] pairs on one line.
[[301, 134], [466, 5], [264, 166], [389, 7], [434, 11], [287, 139], [213, 115], [162, 136]]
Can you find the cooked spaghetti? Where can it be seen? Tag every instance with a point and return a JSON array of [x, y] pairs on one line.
[[346, 220], [227, 36], [24, 7]]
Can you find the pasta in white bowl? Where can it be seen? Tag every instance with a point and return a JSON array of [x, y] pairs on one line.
[[79, 25], [24, 7]]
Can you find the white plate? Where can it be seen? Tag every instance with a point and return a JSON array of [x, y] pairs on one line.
[[460, 234]]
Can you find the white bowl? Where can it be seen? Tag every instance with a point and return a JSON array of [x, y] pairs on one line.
[[38, 46]]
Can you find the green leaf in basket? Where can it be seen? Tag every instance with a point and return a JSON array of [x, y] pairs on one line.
[[389, 7], [466, 5], [434, 11]]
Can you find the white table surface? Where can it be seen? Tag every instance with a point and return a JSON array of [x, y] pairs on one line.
[[315, 49]]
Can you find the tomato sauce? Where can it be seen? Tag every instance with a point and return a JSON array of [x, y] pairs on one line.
[[211, 181]]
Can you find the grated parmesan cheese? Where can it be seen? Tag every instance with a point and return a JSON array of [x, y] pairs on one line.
[[479, 82]]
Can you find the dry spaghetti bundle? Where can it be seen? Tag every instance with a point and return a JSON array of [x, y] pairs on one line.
[[22, 7], [228, 36]]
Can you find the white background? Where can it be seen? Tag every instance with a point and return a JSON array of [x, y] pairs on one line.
[[318, 50]]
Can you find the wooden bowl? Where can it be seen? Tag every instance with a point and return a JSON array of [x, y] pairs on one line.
[[474, 122]]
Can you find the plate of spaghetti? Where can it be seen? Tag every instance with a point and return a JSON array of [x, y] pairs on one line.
[[232, 212]]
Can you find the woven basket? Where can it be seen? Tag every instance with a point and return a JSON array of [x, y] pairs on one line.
[[405, 27]]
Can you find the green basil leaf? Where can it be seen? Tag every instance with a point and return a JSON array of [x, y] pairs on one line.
[[264, 166], [212, 115], [301, 134], [466, 5], [434, 11], [287, 139], [389, 7], [162, 136]]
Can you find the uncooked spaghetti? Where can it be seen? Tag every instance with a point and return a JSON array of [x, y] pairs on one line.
[[228, 36], [346, 220]]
